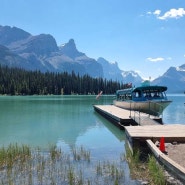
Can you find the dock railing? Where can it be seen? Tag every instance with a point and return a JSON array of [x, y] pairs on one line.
[[138, 111]]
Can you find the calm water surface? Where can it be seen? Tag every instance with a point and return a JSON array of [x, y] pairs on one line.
[[175, 112], [43, 120], [68, 121]]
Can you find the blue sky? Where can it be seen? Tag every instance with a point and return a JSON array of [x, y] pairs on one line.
[[147, 36]]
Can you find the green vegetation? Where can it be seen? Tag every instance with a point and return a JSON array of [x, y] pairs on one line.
[[8, 156], [14, 81], [146, 169], [110, 170], [80, 154], [23, 165], [156, 172]]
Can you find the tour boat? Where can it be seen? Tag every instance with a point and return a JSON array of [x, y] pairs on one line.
[[145, 98]]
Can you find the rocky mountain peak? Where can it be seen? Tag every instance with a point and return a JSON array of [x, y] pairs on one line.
[[71, 43], [182, 67], [12, 34], [42, 44], [70, 50]]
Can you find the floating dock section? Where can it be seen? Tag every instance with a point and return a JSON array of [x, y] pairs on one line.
[[122, 117], [119, 117]]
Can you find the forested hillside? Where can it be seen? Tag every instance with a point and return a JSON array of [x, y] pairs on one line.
[[15, 81]]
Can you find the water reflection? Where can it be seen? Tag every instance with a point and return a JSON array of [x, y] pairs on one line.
[[39, 120], [119, 134]]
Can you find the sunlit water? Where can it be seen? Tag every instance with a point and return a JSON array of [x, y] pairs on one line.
[[69, 121], [175, 112]]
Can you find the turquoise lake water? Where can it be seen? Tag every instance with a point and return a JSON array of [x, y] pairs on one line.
[[175, 112], [69, 121]]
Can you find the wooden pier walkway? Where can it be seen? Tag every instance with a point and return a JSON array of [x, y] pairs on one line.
[[148, 131], [122, 117], [119, 117], [172, 133]]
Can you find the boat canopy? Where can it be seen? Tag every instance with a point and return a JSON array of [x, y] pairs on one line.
[[150, 89], [144, 89], [124, 91]]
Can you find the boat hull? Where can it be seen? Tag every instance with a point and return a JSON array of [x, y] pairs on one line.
[[150, 107]]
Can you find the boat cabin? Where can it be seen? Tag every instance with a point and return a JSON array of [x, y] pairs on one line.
[[143, 93]]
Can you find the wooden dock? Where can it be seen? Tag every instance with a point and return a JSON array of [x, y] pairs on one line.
[[122, 117], [148, 131], [172, 133], [117, 116], [137, 136], [148, 127]]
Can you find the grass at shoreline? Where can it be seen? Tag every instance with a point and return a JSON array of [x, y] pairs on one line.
[[8, 156], [23, 165], [147, 170]]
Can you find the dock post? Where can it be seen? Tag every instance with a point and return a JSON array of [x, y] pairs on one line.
[[130, 109]]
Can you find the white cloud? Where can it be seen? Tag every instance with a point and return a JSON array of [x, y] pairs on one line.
[[157, 12], [158, 59], [172, 13], [149, 13]]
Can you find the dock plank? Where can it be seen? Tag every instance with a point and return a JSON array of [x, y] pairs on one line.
[[115, 111]]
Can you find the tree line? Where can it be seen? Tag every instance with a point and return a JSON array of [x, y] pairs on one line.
[[15, 81]]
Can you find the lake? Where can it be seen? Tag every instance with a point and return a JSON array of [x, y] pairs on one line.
[[68, 121], [175, 112]]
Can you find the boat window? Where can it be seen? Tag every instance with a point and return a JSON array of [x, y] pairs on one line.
[[147, 95], [124, 97], [156, 95], [128, 97], [160, 94], [136, 94]]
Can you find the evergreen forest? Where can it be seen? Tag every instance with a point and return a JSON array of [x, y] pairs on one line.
[[15, 81]]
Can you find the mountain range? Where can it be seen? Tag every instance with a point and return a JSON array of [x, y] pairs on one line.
[[19, 48], [173, 78]]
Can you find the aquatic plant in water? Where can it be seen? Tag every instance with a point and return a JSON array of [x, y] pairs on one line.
[[23, 165]]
